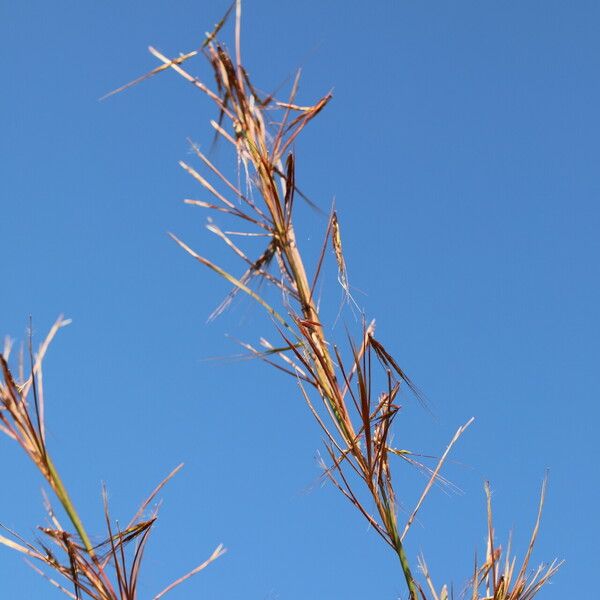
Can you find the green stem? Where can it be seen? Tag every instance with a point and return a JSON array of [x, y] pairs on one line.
[[410, 582], [62, 494]]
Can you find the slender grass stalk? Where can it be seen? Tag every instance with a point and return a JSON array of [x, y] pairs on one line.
[[357, 423], [62, 494], [410, 582]]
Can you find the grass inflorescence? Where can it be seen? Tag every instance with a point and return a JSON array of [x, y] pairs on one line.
[[352, 388], [65, 555]]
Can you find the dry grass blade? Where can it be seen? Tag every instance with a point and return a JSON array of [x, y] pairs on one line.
[[211, 36], [434, 475], [51, 581], [231, 279], [219, 551], [205, 184], [41, 353], [176, 61], [153, 494], [425, 570], [18, 547], [173, 64], [535, 531]]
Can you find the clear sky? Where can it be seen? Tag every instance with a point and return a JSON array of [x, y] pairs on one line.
[[462, 149]]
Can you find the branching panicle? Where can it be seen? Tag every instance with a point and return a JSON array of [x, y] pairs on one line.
[[357, 424], [105, 571]]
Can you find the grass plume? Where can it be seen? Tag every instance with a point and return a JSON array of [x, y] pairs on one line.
[[338, 381], [106, 570]]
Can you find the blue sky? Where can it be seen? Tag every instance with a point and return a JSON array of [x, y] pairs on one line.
[[461, 148]]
